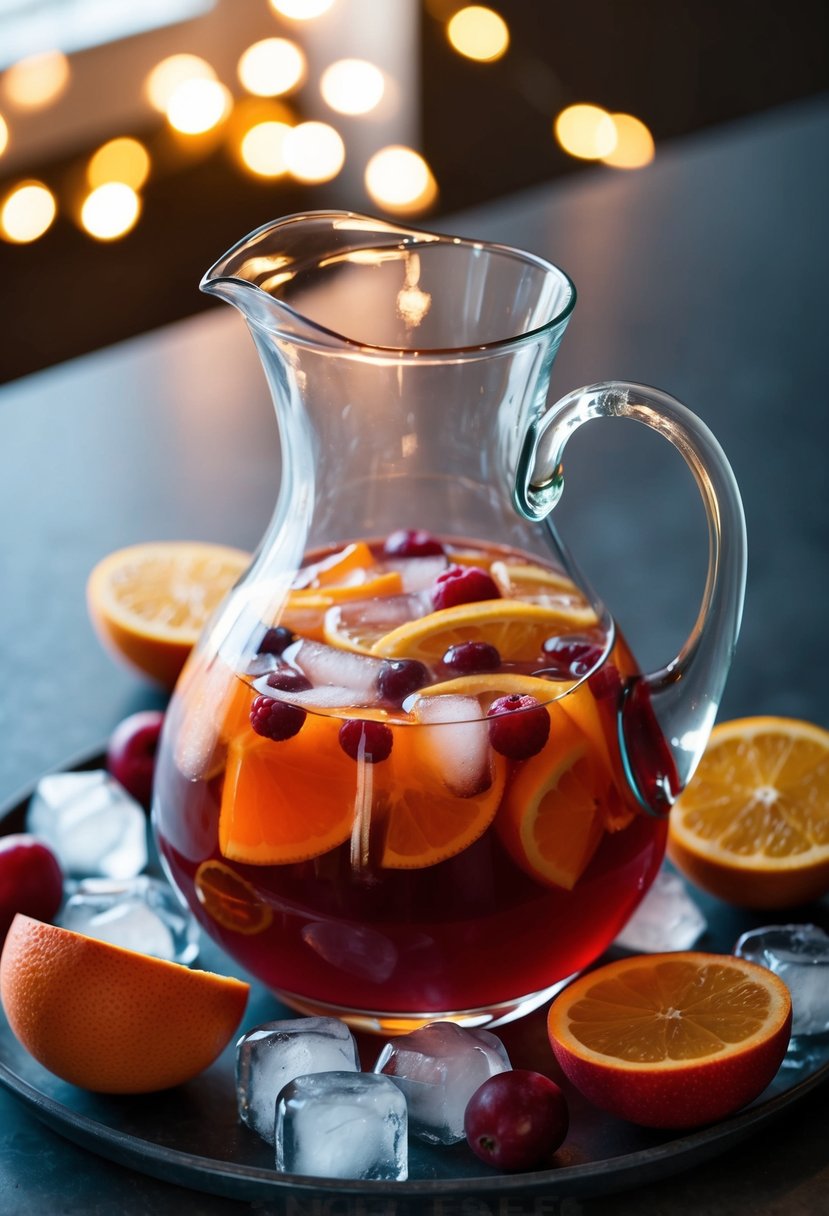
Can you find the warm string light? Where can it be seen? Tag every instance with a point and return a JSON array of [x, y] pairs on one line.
[[270, 144]]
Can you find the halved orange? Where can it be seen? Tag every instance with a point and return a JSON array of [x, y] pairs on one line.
[[517, 629], [109, 1019], [672, 1040], [551, 820], [752, 827], [150, 602], [231, 900]]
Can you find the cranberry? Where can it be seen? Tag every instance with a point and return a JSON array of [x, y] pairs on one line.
[[276, 720], [131, 753], [519, 726], [31, 880], [606, 684], [398, 678], [516, 1120], [276, 640], [463, 585], [288, 680], [369, 740], [572, 656], [468, 658], [412, 542]]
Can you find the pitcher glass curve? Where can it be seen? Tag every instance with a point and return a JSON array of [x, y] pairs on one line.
[[413, 737]]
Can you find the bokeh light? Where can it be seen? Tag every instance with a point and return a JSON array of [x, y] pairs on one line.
[[36, 80], [478, 33], [586, 131], [300, 10], [4, 135], [171, 72], [271, 67], [352, 86], [110, 211], [119, 160], [634, 144], [197, 106], [314, 152], [27, 212], [399, 179], [262, 149]]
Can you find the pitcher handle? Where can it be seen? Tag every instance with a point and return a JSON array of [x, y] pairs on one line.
[[685, 693]]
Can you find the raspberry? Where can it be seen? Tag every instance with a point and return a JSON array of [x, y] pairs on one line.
[[398, 678], [276, 720], [469, 658], [412, 542], [519, 726], [463, 585], [276, 639], [374, 739]]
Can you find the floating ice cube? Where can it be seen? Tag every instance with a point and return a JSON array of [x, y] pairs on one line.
[[139, 913], [417, 573], [666, 919], [91, 822], [341, 668], [455, 742], [438, 1068], [799, 954], [342, 1125], [271, 1055]]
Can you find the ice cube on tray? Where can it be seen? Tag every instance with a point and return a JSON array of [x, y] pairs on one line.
[[90, 821], [799, 955]]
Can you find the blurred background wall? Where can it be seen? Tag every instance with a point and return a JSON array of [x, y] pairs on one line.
[[140, 138]]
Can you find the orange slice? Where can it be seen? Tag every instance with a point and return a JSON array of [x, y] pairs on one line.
[[517, 629], [231, 900], [113, 1020], [305, 610], [337, 568], [752, 827], [490, 685], [551, 821], [672, 1040], [520, 580], [150, 602], [287, 801], [422, 822]]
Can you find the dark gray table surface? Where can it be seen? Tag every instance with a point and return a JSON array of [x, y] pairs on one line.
[[704, 274]]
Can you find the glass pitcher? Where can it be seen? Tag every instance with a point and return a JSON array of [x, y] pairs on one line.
[[412, 770]]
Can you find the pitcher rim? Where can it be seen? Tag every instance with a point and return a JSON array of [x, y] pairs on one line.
[[418, 237]]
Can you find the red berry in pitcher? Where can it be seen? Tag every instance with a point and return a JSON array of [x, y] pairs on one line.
[[519, 726], [572, 656], [399, 678], [371, 741], [516, 1120], [131, 753], [463, 585], [412, 542], [286, 679], [275, 640], [31, 880], [472, 658], [277, 720]]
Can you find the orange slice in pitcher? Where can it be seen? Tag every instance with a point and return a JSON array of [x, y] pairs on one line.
[[520, 580], [337, 567], [287, 801], [489, 685], [518, 630], [230, 900], [551, 821], [305, 610]]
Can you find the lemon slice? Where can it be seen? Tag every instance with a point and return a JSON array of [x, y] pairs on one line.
[[517, 629]]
